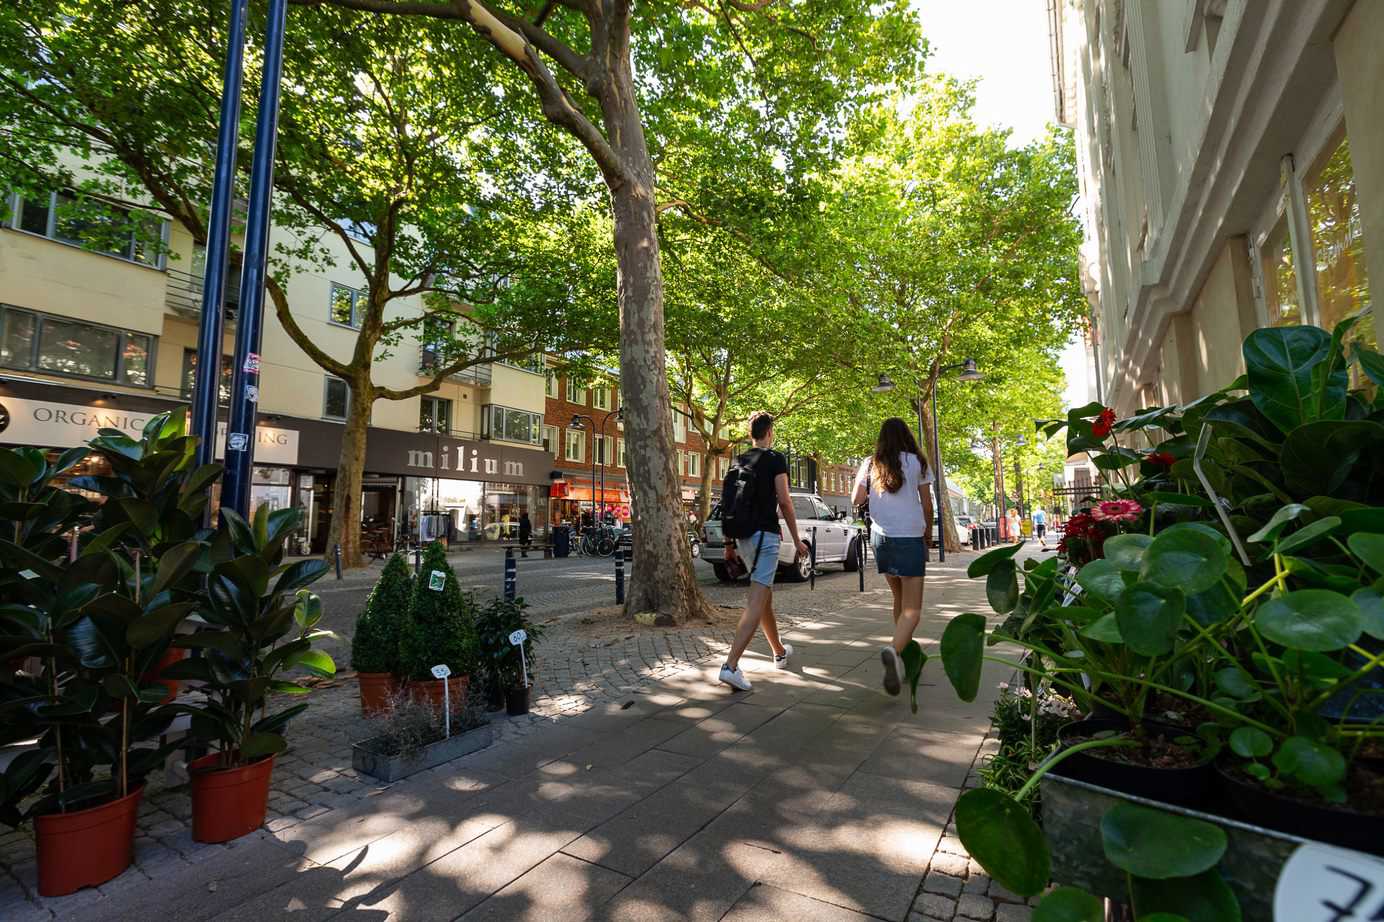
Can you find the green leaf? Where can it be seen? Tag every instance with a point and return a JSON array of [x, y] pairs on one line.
[[259, 744], [1371, 605], [21, 467], [1149, 617], [986, 562], [1106, 629], [1369, 548], [1250, 742], [156, 625], [1127, 551], [1361, 518], [1102, 580], [300, 574], [1203, 898], [1002, 587], [1279, 362], [1278, 522], [1187, 559], [1317, 620], [1158, 845], [1068, 904], [963, 645], [1214, 605], [1237, 683], [1000, 834], [1310, 762], [1164, 498], [1371, 363], [315, 661], [175, 563], [1308, 535], [914, 659], [1318, 458]]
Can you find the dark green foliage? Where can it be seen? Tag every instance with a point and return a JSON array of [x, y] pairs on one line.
[[375, 645], [441, 625], [499, 658]]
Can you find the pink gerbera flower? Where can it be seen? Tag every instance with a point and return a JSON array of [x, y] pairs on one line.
[[1117, 510]]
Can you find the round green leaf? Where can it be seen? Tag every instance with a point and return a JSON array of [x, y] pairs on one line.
[[1149, 617], [1214, 605], [1370, 549], [1316, 620], [1002, 587], [1371, 605], [1127, 551], [1157, 845], [1310, 762], [963, 645], [1203, 898], [1068, 904], [1102, 579], [1187, 559], [986, 562], [1000, 834], [1237, 684], [1105, 629], [1250, 742]]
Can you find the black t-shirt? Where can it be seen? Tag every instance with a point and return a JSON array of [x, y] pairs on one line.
[[768, 464]]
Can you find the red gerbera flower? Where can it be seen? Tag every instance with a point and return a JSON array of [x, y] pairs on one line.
[[1117, 510], [1161, 458], [1104, 423]]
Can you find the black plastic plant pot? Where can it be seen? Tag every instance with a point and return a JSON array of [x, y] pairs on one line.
[[1334, 824], [1186, 786], [494, 695], [516, 701]]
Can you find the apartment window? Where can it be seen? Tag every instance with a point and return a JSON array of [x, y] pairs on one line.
[[620, 453], [61, 346], [435, 415], [694, 464], [1280, 278], [1333, 214], [600, 397], [679, 426], [603, 449], [575, 394], [575, 447], [550, 386], [550, 443], [511, 425], [336, 398], [347, 305], [189, 378], [93, 225]]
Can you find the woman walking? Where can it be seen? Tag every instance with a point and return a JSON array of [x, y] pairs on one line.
[[895, 481]]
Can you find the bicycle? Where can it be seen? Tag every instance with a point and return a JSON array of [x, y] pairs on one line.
[[598, 541]]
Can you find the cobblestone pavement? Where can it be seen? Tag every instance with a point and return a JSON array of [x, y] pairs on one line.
[[580, 671]]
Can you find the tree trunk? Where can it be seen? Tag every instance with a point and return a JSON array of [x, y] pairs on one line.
[[708, 478], [948, 518], [998, 462], [350, 472]]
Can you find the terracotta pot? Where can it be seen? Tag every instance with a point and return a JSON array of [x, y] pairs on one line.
[[228, 803], [377, 690], [430, 692], [85, 847], [170, 656]]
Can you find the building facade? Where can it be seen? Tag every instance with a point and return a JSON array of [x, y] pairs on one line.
[[1231, 165], [94, 338]]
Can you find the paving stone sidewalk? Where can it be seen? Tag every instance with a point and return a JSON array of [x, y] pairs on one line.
[[638, 789]]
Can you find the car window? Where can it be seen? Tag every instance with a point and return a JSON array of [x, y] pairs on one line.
[[802, 508], [823, 510]]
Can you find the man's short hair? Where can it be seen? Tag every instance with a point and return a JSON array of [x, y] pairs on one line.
[[760, 424]]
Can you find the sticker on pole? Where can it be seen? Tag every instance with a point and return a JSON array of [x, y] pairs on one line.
[[518, 637], [237, 441], [441, 671], [252, 363], [1320, 883], [437, 580]]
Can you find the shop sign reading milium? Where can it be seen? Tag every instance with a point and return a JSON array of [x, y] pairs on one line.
[[430, 455]]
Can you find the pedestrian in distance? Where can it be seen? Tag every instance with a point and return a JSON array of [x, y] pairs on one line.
[[755, 491], [895, 481], [525, 534], [1040, 525], [1013, 520]]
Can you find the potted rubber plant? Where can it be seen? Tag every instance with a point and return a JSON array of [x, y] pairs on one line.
[[504, 664], [440, 631], [260, 622], [375, 644]]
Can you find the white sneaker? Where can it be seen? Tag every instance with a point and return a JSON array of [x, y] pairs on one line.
[[893, 669], [781, 661], [735, 678]]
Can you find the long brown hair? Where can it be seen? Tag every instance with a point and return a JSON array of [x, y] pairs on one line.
[[886, 468]]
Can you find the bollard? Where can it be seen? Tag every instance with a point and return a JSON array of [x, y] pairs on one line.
[[511, 575], [619, 576], [860, 555], [812, 561], [338, 561]]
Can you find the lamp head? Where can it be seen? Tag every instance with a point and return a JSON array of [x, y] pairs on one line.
[[969, 371], [885, 385], [577, 423]]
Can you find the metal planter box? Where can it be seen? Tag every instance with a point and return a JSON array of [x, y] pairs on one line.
[[1071, 819], [391, 768]]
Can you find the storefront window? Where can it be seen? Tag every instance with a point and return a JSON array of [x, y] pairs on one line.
[[1333, 209], [271, 486]]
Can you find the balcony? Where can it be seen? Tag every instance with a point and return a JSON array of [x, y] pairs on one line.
[[183, 293], [478, 375]]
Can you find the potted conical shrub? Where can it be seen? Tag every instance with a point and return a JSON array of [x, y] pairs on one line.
[[441, 630], [375, 644]]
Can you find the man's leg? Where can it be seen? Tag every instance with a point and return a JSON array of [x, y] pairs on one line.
[[769, 622], [756, 610]]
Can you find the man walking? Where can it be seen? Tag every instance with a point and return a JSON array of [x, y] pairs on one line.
[[754, 493], [1040, 525]]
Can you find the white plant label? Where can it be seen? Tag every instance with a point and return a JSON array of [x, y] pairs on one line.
[[518, 637], [441, 671], [437, 580], [1320, 883]]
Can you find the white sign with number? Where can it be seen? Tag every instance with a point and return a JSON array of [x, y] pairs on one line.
[[441, 671], [1319, 883], [518, 637], [437, 580]]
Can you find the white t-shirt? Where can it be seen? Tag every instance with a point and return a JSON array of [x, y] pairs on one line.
[[897, 515]]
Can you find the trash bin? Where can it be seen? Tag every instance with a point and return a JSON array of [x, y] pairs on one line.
[[562, 540]]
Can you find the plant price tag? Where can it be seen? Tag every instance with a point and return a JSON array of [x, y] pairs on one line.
[[1319, 883], [441, 671], [518, 637], [437, 580]]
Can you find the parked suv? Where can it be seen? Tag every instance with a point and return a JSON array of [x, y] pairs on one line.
[[836, 536]]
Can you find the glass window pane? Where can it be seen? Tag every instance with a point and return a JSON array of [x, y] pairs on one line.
[[33, 216], [335, 401], [803, 509], [341, 304], [16, 338], [1280, 278], [1333, 209], [136, 359], [148, 238], [77, 349], [189, 377]]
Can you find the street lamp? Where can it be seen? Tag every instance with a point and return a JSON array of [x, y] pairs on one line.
[[619, 414], [580, 422]]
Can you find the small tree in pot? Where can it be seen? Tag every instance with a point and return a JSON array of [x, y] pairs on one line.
[[375, 644], [441, 630], [502, 661]]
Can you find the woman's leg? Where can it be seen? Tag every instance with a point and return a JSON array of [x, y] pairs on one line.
[[911, 593], [896, 588]]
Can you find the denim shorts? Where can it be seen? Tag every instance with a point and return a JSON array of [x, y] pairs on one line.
[[899, 556], [767, 566]]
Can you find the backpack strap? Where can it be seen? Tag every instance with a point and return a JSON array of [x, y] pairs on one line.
[[757, 549]]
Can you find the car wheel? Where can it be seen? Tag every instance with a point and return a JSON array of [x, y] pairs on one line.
[[721, 572], [696, 548], [801, 569], [852, 561]]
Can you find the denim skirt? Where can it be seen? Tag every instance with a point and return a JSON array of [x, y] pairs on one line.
[[899, 556]]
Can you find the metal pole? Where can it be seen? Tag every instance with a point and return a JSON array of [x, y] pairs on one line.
[[240, 434], [337, 552], [212, 324], [812, 560], [619, 576], [940, 479], [511, 575], [860, 554]]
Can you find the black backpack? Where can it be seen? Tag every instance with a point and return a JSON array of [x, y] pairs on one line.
[[738, 493]]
